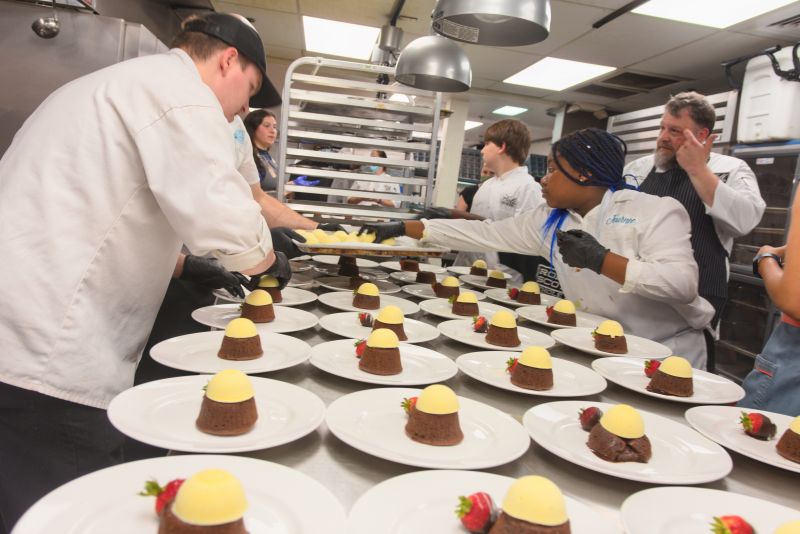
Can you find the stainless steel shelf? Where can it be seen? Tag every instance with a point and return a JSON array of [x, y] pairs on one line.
[[319, 155], [377, 125], [336, 99], [356, 141], [343, 175]]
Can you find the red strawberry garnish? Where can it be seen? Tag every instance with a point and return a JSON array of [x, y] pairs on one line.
[[365, 319], [480, 324], [164, 495], [549, 311], [589, 417], [758, 426], [477, 512], [409, 403], [731, 524], [511, 364], [513, 293], [361, 346], [650, 367]]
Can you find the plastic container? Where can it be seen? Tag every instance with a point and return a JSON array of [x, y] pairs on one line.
[[769, 109]]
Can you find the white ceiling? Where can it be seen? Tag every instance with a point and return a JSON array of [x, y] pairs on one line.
[[687, 53]]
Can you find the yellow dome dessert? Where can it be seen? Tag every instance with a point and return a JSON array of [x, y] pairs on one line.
[[467, 298], [503, 319], [352, 237], [480, 264], [450, 281], [624, 421], [259, 297], [366, 238], [242, 328], [795, 425], [610, 328], [537, 357], [322, 236], [564, 306], [792, 527], [268, 281], [536, 500], [210, 497], [676, 366], [497, 274], [230, 385], [340, 236], [383, 338], [368, 289], [530, 287], [390, 315], [311, 239], [438, 400], [389, 242]]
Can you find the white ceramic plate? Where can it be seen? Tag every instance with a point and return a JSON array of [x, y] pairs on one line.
[[300, 267], [346, 324], [424, 501], [334, 260], [163, 413], [681, 510], [569, 379], [708, 387], [292, 296], [680, 454], [198, 353], [442, 308], [638, 347], [287, 319], [500, 295], [425, 291], [459, 269], [301, 281], [410, 278], [461, 330], [106, 501], [304, 257], [538, 315], [395, 266], [373, 421], [420, 365], [342, 283], [479, 281], [344, 301], [721, 424]]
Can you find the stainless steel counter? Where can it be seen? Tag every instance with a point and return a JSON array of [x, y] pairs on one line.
[[348, 473]]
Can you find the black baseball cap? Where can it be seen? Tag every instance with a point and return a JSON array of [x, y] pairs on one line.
[[234, 31]]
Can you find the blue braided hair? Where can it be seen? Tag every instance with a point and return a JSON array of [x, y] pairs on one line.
[[595, 154]]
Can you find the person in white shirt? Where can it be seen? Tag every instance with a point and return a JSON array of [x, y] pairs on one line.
[[375, 187], [90, 230], [625, 255], [720, 192]]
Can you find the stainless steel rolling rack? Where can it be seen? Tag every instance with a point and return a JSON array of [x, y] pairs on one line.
[[333, 103]]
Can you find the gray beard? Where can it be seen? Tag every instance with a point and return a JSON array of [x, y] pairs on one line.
[[664, 159]]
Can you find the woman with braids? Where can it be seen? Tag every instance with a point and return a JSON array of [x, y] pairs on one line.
[[618, 253]]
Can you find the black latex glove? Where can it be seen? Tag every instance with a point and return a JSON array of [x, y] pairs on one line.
[[435, 212], [581, 250], [331, 227], [282, 241], [281, 270], [210, 273], [383, 231]]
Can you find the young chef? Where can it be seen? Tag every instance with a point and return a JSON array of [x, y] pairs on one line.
[[90, 229], [618, 253]]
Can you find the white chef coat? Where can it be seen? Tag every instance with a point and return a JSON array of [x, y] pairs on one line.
[[98, 190], [507, 195], [738, 205], [659, 298], [243, 152], [376, 187]]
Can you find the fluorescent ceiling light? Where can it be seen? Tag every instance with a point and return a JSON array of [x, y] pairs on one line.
[[557, 74], [468, 125], [339, 38], [713, 13], [399, 97], [509, 110]]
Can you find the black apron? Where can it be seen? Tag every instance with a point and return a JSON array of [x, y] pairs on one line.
[[709, 253]]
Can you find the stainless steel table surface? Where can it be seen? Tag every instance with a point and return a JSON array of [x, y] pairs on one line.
[[349, 473]]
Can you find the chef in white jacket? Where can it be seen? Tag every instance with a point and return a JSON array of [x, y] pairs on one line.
[[619, 253], [98, 190]]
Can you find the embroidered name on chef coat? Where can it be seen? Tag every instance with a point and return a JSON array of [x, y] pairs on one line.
[[509, 200], [238, 136], [620, 219]]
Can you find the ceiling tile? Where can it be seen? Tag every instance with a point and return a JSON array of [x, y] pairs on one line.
[[286, 6], [485, 61]]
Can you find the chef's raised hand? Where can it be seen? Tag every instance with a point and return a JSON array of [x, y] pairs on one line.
[[692, 155], [282, 240], [383, 231], [281, 270], [210, 273], [581, 250]]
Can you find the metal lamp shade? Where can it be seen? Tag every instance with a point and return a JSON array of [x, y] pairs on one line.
[[434, 63], [493, 22]]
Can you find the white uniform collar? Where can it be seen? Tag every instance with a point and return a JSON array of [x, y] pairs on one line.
[[186, 59], [512, 171]]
